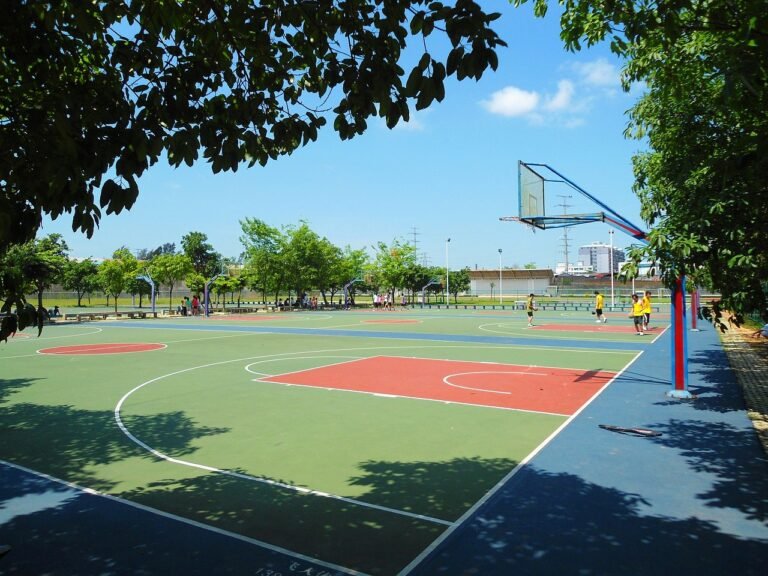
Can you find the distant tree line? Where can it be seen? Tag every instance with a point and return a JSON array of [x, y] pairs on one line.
[[275, 261]]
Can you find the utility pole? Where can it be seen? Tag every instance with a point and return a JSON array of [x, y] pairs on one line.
[[415, 233], [566, 248]]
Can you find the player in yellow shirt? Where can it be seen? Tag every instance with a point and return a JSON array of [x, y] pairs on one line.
[[646, 301], [599, 307], [637, 315], [531, 308]]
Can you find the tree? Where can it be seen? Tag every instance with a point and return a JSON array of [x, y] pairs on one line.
[[33, 266], [168, 269], [17, 265], [205, 260], [394, 264], [702, 183], [265, 250], [135, 285], [93, 94], [115, 274], [350, 266], [328, 274], [303, 258], [419, 276], [46, 264], [147, 254], [195, 282], [80, 276], [460, 282]]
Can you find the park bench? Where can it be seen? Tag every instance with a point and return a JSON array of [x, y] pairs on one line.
[[139, 314]]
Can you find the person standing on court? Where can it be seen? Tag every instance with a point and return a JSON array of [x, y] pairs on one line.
[[531, 308], [599, 307], [637, 315], [646, 309]]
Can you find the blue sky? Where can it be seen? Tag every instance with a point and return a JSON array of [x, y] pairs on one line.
[[450, 172]]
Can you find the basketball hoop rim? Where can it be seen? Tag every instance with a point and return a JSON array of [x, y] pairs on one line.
[[521, 220]]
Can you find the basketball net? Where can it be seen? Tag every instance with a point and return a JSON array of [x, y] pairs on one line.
[[519, 220]]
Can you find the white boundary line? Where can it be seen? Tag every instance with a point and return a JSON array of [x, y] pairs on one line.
[[660, 334], [412, 398], [105, 346], [299, 355], [162, 456], [195, 523], [29, 338], [445, 380], [351, 359], [398, 396], [533, 334], [215, 337], [469, 513]]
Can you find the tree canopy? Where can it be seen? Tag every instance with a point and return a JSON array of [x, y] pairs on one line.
[[702, 182], [94, 93]]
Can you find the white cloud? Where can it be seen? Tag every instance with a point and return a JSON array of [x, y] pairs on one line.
[[563, 99], [599, 73], [413, 125], [512, 101], [536, 108]]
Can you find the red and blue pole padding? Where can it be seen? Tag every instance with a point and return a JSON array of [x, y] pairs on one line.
[[679, 342]]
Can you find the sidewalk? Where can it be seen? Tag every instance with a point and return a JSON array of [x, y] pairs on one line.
[[693, 501], [749, 360]]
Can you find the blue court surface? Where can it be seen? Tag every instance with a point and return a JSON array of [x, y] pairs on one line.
[[691, 501]]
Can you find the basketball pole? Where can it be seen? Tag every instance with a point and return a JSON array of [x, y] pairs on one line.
[[534, 188], [447, 277], [501, 283], [679, 344]]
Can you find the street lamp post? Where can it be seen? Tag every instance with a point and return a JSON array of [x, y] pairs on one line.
[[501, 282], [611, 260], [447, 275]]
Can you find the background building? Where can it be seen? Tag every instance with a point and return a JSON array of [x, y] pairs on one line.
[[514, 283], [575, 268], [598, 256]]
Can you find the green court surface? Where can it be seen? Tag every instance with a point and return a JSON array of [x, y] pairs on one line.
[[357, 478]]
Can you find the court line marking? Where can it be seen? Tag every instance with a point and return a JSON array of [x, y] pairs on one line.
[[183, 520], [412, 398], [416, 336], [399, 396], [302, 490], [446, 378], [519, 331], [38, 339], [522, 464], [35, 355], [350, 359], [105, 346], [453, 525], [215, 337], [286, 355]]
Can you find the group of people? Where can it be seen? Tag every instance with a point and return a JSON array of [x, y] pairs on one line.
[[640, 314], [641, 311], [193, 307], [309, 302], [386, 301]]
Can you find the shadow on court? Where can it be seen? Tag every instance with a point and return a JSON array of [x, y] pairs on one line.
[[559, 524], [97, 535], [691, 501], [66, 442]]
